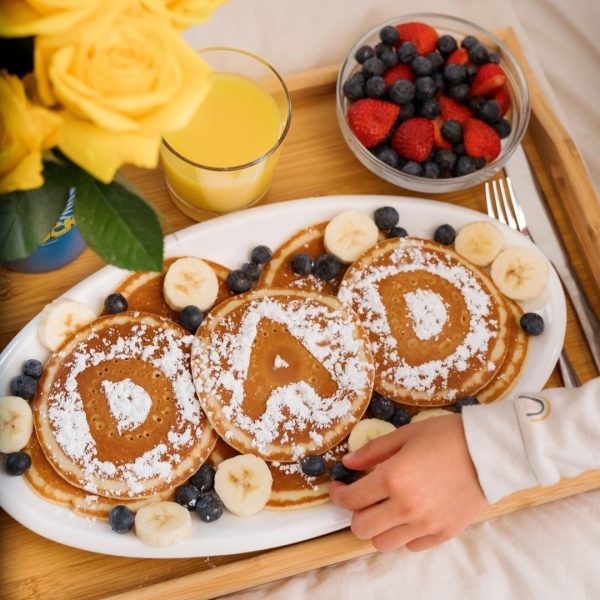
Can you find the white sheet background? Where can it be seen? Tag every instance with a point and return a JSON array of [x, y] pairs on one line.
[[552, 551]]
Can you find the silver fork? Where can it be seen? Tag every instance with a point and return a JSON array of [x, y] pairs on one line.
[[506, 209]]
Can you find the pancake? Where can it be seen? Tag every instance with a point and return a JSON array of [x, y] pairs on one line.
[[291, 489], [438, 327], [512, 365], [50, 486], [144, 290], [282, 373], [278, 271], [115, 411]]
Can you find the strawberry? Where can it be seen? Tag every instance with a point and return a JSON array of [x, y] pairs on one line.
[[489, 78], [371, 120], [400, 71], [481, 140], [502, 97], [460, 57], [413, 140], [450, 109], [423, 36], [438, 139]]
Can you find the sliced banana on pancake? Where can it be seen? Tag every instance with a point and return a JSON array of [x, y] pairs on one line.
[[367, 430], [16, 423], [190, 281], [62, 318], [162, 523], [430, 414], [479, 243], [244, 484], [349, 234], [520, 273]]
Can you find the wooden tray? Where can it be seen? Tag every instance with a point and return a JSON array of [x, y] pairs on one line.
[[315, 162]]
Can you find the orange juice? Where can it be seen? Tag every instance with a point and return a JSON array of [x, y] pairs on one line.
[[238, 123]]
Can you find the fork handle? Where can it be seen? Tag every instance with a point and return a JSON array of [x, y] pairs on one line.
[[567, 372]]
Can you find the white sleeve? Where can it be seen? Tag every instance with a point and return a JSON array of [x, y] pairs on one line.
[[534, 439]]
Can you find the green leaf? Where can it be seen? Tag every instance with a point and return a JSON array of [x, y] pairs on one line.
[[118, 224], [27, 217]]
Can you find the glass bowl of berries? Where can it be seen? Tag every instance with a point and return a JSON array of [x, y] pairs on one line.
[[432, 103]]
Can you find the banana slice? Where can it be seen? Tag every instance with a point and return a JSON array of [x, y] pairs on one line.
[[479, 243], [366, 430], [244, 484], [190, 281], [429, 414], [520, 273], [62, 318], [349, 234], [16, 424], [162, 523]]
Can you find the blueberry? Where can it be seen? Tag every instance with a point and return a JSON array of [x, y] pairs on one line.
[[389, 35], [313, 466], [425, 88], [430, 108], [121, 519], [327, 267], [382, 408], [407, 52], [438, 79], [478, 54], [401, 417], [532, 323], [412, 168], [381, 49], [479, 162], [375, 87], [354, 89], [454, 74], [469, 42], [489, 111], [446, 44], [23, 386], [341, 473], [421, 66], [238, 281], [431, 170], [398, 232], [445, 159], [402, 91], [187, 495], [476, 103], [204, 478], [465, 165], [436, 60], [209, 508], [452, 131], [459, 92], [115, 303], [389, 58], [251, 269], [373, 66], [471, 71], [388, 156], [302, 263], [191, 317], [260, 255], [459, 149], [444, 234], [363, 53], [33, 368], [502, 128], [407, 111], [386, 217], [465, 401], [494, 57], [17, 463]]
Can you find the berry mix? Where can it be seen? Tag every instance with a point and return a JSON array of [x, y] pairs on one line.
[[426, 106]]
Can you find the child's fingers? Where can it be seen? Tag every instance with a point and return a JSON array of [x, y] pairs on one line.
[[398, 536], [374, 520], [366, 491], [376, 451], [426, 542]]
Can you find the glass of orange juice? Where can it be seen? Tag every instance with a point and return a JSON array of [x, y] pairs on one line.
[[223, 160]]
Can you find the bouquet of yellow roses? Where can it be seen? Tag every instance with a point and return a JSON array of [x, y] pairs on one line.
[[92, 86]]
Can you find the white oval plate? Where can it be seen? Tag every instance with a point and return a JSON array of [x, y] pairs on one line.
[[228, 240]]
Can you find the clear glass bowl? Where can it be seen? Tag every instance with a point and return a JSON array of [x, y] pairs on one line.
[[518, 114]]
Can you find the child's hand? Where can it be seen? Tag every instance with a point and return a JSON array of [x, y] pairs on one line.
[[423, 489]]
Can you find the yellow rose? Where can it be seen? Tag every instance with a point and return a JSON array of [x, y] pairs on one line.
[[25, 131], [122, 79], [182, 13], [20, 18]]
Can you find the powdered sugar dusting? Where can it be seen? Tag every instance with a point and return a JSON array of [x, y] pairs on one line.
[[279, 363], [129, 403], [428, 312]]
